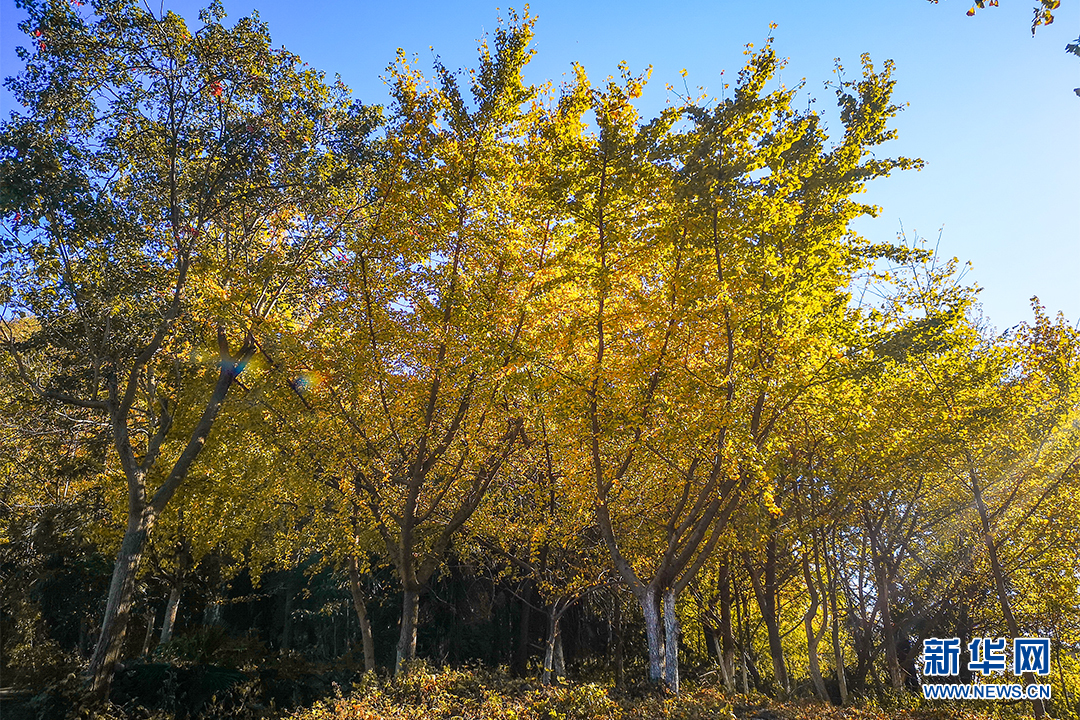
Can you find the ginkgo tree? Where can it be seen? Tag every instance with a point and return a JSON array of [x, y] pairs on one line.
[[163, 192], [418, 320], [704, 292]]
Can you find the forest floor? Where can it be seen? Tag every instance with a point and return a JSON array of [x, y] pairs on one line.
[[479, 695], [160, 691]]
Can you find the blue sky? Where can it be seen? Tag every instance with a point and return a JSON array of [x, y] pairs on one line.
[[991, 109]]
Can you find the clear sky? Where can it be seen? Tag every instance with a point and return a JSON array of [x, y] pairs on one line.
[[992, 111]]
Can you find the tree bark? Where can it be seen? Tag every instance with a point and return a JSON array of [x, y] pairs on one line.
[[755, 674], [654, 634], [410, 613], [361, 614], [999, 575], [148, 639], [560, 658], [881, 577], [173, 604], [814, 639], [838, 648], [286, 621], [548, 675], [740, 627], [766, 600], [110, 642], [892, 660], [712, 642], [671, 642], [727, 656]]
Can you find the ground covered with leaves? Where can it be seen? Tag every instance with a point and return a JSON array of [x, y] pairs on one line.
[[159, 691], [483, 695]]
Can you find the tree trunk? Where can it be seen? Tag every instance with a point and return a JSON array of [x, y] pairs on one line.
[[743, 636], [812, 638], [896, 679], [361, 614], [999, 575], [148, 639], [84, 636], [142, 513], [560, 658], [671, 642], [727, 657], [838, 648], [548, 676], [838, 657], [712, 641], [110, 642], [766, 600], [171, 607], [654, 634], [755, 674], [410, 614]]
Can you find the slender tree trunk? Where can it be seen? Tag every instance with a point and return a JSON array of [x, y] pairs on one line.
[[838, 657], [813, 639], [410, 614], [550, 675], [776, 653], [999, 575], [712, 643], [896, 678], [148, 638], [654, 634], [755, 674], [176, 588], [766, 600], [110, 642], [521, 659], [743, 635], [671, 642], [727, 657], [361, 614], [560, 658], [838, 648]]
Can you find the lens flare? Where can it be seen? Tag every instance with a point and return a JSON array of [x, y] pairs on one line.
[[309, 380]]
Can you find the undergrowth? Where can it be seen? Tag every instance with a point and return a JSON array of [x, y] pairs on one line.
[[479, 694]]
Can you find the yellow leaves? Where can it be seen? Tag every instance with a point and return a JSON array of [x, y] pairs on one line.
[[769, 501]]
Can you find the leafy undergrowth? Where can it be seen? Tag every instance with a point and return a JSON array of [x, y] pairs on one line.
[[479, 695], [202, 692]]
